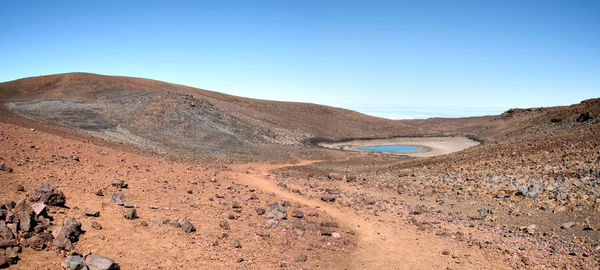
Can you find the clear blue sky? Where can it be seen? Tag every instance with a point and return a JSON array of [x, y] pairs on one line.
[[390, 55]]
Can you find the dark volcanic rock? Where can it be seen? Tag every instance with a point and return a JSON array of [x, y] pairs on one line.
[[48, 195], [95, 262]]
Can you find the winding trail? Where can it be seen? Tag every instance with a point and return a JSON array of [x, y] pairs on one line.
[[393, 244]]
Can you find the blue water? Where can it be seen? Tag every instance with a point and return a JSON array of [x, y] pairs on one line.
[[390, 148]]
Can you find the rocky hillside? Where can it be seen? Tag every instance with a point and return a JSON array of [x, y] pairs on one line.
[[169, 118]]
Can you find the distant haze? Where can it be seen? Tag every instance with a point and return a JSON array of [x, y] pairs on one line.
[[408, 112]]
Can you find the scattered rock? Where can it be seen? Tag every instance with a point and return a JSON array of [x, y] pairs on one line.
[[328, 198], [236, 205], [531, 229], [38, 208], [336, 235], [260, 211], [272, 222], [527, 261], [187, 226], [3, 167], [334, 176], [297, 214], [567, 225], [95, 262], [48, 195], [74, 263], [237, 244], [99, 193], [92, 212], [36, 242], [96, 225], [20, 188], [276, 211], [224, 225], [119, 184], [329, 224], [264, 234], [301, 258], [65, 235], [117, 198], [584, 117], [130, 214], [24, 220]]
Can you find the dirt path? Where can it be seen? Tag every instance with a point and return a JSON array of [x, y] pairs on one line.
[[389, 244]]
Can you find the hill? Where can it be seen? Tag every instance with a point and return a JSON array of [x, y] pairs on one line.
[[169, 118]]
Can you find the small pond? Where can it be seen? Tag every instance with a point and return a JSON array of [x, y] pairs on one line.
[[390, 148]]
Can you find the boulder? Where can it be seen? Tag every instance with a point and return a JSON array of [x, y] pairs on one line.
[[96, 262], [48, 195]]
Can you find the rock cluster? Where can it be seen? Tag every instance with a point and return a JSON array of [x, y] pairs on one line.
[[23, 225]]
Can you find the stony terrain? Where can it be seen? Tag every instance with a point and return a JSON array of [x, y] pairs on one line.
[[116, 172]]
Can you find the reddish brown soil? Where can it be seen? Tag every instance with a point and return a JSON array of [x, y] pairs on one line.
[[456, 211]]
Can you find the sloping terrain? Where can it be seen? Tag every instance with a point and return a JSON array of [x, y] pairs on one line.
[[528, 196], [535, 177], [169, 118]]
